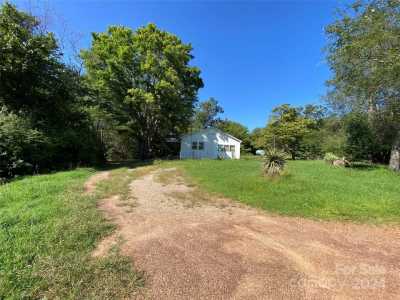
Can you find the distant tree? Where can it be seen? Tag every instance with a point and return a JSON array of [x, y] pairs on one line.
[[316, 113], [360, 143], [332, 136], [311, 144], [237, 130], [206, 114], [257, 139], [144, 78], [363, 54], [287, 129]]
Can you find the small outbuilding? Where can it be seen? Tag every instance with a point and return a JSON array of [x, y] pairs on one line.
[[210, 143]]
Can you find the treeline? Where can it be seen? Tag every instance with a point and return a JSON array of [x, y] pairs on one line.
[[309, 132], [363, 94], [363, 54], [138, 93], [43, 122]]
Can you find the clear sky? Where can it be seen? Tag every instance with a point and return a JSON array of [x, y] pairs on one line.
[[254, 55]]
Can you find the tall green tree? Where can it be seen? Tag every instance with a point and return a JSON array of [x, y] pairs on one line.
[[28, 60], [43, 124], [364, 56], [144, 78], [33, 78], [257, 138], [207, 114], [287, 129]]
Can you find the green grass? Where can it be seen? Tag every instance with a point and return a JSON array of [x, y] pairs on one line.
[[310, 189], [48, 230]]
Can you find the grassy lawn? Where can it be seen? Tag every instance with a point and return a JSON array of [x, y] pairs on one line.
[[48, 230], [309, 188]]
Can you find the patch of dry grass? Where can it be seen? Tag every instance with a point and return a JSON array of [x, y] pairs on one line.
[[119, 180], [170, 176], [195, 197]]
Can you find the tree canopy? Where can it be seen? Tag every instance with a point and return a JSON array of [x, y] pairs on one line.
[[364, 55], [287, 128], [144, 79], [206, 114], [43, 124]]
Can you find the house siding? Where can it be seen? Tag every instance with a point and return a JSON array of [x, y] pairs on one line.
[[211, 139]]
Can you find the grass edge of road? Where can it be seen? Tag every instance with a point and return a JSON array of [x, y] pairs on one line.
[[49, 229]]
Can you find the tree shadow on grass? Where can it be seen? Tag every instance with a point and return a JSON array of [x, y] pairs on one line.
[[131, 164], [363, 166]]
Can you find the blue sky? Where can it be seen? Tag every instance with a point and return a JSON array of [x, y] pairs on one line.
[[253, 55]]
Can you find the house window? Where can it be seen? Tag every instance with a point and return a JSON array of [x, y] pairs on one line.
[[201, 145], [220, 148], [194, 145], [226, 148], [232, 148]]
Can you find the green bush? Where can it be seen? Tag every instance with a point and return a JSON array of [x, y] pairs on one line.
[[22, 148], [330, 157], [26, 149], [360, 141]]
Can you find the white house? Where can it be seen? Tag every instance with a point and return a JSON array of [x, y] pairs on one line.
[[210, 143]]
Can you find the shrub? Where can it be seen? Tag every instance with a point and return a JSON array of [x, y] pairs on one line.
[[360, 140], [274, 162], [27, 149], [21, 146], [330, 157]]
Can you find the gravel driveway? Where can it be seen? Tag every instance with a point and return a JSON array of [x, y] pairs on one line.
[[193, 246]]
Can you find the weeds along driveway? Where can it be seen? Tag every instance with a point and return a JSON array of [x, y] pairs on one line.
[[193, 246]]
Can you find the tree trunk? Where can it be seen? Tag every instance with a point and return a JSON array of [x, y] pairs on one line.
[[144, 148], [394, 163]]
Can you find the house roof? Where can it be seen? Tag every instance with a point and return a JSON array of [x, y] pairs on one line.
[[213, 129]]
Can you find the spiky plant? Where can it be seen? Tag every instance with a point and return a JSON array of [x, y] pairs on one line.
[[274, 162]]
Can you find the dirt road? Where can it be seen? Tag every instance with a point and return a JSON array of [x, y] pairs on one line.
[[191, 246]]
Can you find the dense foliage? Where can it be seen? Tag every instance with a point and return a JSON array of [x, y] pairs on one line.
[[296, 130], [363, 54], [144, 80], [42, 122], [363, 123], [139, 94], [207, 114]]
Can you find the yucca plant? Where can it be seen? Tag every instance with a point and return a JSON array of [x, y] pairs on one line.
[[274, 162]]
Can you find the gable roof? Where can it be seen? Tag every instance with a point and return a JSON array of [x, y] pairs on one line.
[[213, 129]]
